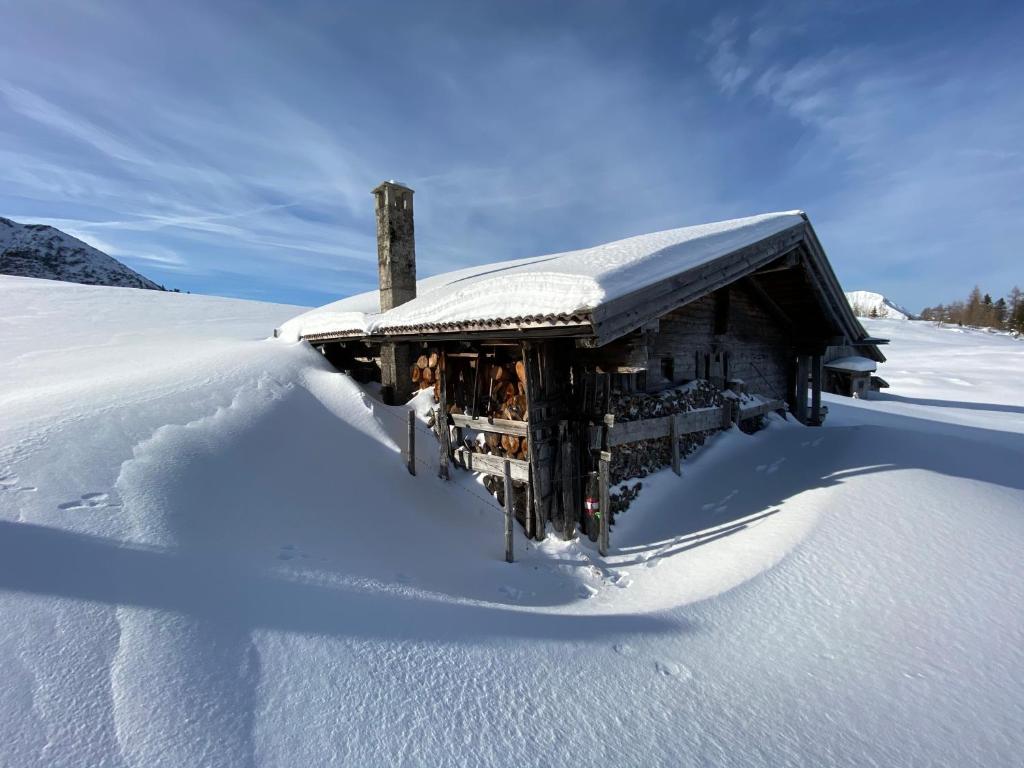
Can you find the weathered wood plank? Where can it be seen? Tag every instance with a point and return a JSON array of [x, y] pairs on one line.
[[411, 449], [507, 472], [491, 465], [445, 448], [754, 411], [605, 508], [699, 420], [568, 470], [500, 426], [673, 436]]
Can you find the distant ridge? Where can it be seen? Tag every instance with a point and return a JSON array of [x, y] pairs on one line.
[[870, 304], [38, 250]]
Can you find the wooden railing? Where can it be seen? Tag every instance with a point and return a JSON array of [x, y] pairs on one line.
[[699, 420]]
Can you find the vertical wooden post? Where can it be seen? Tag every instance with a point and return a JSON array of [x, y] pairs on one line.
[[816, 390], [535, 511], [508, 512], [411, 452], [569, 511], [442, 421], [605, 511], [673, 436], [802, 373], [529, 519]]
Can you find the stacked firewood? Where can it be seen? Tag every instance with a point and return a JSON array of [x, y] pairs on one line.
[[643, 457], [425, 373], [506, 392], [633, 406], [506, 446]]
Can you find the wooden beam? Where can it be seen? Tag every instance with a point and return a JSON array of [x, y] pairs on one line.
[[816, 375], [622, 432], [490, 464], [507, 473], [605, 502], [803, 364], [753, 411], [445, 448], [673, 436], [411, 450], [768, 303], [569, 511], [530, 360], [500, 426]]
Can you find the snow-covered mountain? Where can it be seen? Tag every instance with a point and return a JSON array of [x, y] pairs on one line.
[[38, 250], [864, 302]]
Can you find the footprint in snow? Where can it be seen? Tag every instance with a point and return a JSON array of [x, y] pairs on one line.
[[512, 593], [760, 467], [774, 466], [671, 669], [586, 591], [621, 580], [624, 649], [10, 483], [95, 500]]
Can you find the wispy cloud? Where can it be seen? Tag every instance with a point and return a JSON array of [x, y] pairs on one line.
[[232, 148]]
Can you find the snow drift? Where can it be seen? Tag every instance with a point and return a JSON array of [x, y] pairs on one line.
[[211, 554]]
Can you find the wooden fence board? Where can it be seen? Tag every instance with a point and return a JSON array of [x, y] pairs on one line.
[[500, 426], [492, 465]]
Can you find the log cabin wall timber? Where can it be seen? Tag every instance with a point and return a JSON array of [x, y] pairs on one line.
[[721, 337]]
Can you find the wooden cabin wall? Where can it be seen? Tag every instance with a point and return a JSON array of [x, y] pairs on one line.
[[714, 337]]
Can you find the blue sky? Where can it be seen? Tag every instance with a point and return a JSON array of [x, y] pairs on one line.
[[230, 148]]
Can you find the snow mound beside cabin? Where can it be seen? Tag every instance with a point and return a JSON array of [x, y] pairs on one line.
[[870, 304], [42, 251], [211, 554]]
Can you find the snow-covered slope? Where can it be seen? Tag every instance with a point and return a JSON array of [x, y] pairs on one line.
[[870, 304], [211, 554], [38, 250]]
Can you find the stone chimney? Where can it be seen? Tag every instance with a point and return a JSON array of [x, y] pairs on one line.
[[396, 266], [396, 244]]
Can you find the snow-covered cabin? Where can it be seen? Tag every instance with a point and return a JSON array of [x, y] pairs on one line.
[[527, 356]]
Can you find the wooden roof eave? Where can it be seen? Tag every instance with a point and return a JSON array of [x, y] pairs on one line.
[[625, 314], [553, 329], [831, 290]]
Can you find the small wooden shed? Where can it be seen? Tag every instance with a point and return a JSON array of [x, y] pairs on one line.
[[568, 363]]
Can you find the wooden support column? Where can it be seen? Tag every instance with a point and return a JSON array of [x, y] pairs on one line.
[[411, 451], [673, 436], [604, 501], [535, 510], [442, 422], [569, 512], [508, 513], [529, 519], [803, 365], [816, 375]]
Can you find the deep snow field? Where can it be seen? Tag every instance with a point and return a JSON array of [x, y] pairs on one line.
[[211, 555]]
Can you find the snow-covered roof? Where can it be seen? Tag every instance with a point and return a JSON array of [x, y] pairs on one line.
[[853, 364], [558, 288]]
